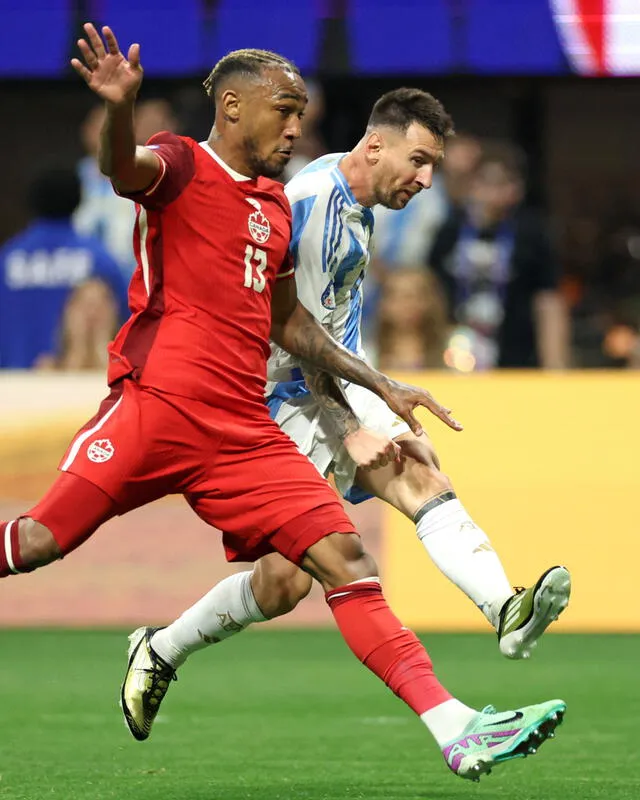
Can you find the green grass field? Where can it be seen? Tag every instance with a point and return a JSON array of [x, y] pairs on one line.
[[293, 715]]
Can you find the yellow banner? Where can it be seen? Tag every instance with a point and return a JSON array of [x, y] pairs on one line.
[[548, 466]]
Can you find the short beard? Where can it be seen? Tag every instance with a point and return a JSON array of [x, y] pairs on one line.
[[385, 200], [258, 165]]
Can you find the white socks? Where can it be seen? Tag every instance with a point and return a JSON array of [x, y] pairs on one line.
[[224, 611], [448, 720], [462, 552]]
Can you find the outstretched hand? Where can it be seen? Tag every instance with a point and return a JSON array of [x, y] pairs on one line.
[[106, 71], [404, 399]]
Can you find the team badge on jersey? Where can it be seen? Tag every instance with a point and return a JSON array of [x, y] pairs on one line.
[[259, 226], [328, 298], [100, 450]]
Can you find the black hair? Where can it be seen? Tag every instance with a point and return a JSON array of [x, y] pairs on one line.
[[402, 107], [246, 62]]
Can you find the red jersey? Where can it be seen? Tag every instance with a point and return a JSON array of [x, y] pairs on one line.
[[209, 246]]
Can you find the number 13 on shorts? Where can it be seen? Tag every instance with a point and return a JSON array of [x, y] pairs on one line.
[[255, 263]]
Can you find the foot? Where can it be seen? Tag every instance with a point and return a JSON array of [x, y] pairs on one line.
[[528, 613], [495, 737], [145, 684]]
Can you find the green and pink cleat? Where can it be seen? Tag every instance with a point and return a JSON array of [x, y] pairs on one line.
[[495, 737]]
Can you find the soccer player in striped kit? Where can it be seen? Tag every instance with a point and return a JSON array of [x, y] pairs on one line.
[[349, 431]]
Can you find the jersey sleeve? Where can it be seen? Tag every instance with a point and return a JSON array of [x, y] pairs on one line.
[[314, 282], [177, 168]]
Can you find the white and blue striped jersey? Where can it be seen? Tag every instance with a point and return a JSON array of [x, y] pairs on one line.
[[330, 239]]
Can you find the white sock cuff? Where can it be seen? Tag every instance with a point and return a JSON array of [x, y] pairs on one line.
[[372, 579], [249, 603], [433, 503]]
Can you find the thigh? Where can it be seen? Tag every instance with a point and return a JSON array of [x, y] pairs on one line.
[[303, 422], [375, 414], [72, 510], [267, 497], [132, 450]]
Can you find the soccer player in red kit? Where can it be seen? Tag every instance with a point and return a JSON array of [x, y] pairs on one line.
[[186, 411]]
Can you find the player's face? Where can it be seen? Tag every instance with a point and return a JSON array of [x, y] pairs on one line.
[[271, 121], [405, 165]]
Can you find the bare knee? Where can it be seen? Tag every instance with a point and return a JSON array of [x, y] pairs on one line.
[[278, 585], [339, 559], [37, 545], [426, 480], [421, 477]]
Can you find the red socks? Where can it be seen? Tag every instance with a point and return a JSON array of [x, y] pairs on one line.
[[379, 640]]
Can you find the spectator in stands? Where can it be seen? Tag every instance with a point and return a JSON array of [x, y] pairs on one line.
[[499, 272], [49, 275], [412, 321], [101, 212], [462, 156]]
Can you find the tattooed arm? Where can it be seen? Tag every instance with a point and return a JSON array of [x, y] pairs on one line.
[[331, 398], [367, 448], [300, 333]]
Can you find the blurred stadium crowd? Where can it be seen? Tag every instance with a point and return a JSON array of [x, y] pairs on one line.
[[467, 277]]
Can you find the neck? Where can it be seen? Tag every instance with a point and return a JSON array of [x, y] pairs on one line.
[[229, 153], [354, 168]]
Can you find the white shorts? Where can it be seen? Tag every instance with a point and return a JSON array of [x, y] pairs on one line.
[[303, 421]]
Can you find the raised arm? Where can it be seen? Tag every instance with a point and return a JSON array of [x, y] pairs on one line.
[[298, 332], [116, 79]]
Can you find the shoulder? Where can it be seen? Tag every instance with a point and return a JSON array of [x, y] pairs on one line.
[[174, 151], [167, 138], [313, 185]]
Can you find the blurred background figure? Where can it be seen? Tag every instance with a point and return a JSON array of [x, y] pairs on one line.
[[462, 156], [412, 320], [101, 212], [606, 314], [61, 294], [311, 144], [499, 273]]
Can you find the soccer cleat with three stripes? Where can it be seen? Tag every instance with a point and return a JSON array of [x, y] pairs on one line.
[[494, 737], [527, 614], [145, 684]]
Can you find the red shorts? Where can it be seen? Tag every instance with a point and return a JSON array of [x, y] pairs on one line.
[[242, 475]]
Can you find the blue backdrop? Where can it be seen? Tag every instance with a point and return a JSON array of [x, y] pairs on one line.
[[374, 37]]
